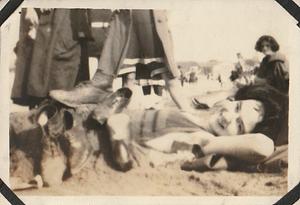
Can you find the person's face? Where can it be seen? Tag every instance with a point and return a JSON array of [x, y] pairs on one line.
[[235, 117], [266, 48]]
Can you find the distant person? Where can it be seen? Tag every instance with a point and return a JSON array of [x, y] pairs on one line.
[[273, 69], [182, 78]]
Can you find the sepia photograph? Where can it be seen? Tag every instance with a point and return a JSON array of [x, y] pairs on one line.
[[186, 100]]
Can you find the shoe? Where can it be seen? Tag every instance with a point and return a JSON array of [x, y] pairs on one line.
[[87, 92], [199, 165], [84, 93], [51, 118], [206, 163], [114, 103], [80, 149], [121, 156]]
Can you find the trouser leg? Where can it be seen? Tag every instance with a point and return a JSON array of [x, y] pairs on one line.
[[115, 46]]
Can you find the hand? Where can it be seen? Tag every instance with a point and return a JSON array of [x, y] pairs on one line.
[[32, 16], [199, 105], [240, 82]]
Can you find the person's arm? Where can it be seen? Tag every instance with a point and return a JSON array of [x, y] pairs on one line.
[[279, 78], [176, 93], [259, 81], [211, 98], [252, 148]]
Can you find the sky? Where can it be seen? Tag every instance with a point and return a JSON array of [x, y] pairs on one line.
[[219, 29], [214, 29]]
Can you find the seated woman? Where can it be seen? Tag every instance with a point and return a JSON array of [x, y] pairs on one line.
[[247, 127], [273, 69]]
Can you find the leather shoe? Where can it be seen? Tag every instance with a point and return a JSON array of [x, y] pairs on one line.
[[84, 93]]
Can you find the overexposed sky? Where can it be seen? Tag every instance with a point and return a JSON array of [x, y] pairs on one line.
[[219, 29]]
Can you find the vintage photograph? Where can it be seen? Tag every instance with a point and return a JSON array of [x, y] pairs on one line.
[[187, 101]]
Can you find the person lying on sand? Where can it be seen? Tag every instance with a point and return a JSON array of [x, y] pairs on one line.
[[244, 129]]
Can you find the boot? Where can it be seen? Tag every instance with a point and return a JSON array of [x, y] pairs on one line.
[[87, 92]]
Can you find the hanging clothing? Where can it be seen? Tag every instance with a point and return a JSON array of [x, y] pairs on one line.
[[138, 37], [55, 59]]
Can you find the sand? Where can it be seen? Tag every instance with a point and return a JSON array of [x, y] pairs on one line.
[[97, 178]]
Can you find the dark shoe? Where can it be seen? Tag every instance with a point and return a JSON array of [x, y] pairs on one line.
[[121, 156], [52, 120], [84, 93], [210, 162], [197, 151], [114, 103], [199, 165]]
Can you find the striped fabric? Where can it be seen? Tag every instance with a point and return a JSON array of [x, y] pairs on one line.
[[150, 124]]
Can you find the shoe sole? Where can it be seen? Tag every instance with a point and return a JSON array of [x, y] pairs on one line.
[[66, 103], [75, 105]]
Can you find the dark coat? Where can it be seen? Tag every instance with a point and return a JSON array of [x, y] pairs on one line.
[[275, 70], [53, 60]]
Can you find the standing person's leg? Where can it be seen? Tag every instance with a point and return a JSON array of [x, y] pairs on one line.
[[83, 71], [128, 80], [29, 87], [155, 42], [112, 54], [128, 68], [151, 50], [158, 90], [146, 89], [114, 50]]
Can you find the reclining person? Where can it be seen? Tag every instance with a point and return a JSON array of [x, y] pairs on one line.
[[245, 129]]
